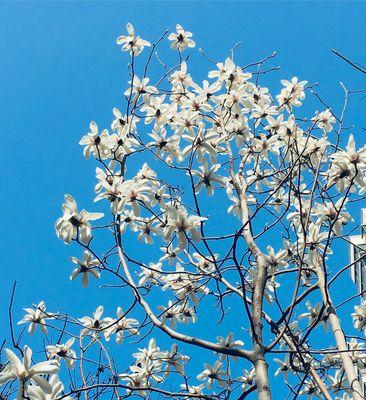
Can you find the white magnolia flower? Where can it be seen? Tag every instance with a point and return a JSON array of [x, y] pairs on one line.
[[311, 390], [184, 284], [36, 392], [73, 224], [348, 166], [183, 224], [36, 317], [150, 275], [204, 264], [284, 367], [334, 214], [338, 381], [351, 154], [99, 145], [140, 87], [138, 377], [359, 316], [357, 352], [124, 125], [181, 80], [292, 94], [174, 360], [147, 369], [25, 373], [224, 70], [170, 254], [85, 267], [196, 390], [156, 111], [121, 325], [181, 39], [247, 378], [207, 176], [132, 43], [170, 314], [63, 351], [96, 323], [313, 314], [324, 120], [213, 373], [230, 343], [276, 261]]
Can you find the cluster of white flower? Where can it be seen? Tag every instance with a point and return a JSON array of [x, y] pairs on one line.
[[32, 382], [227, 137], [152, 365], [348, 167]]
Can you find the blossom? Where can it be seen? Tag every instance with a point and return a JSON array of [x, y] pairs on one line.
[[359, 316], [36, 316], [311, 390], [85, 267], [132, 43], [124, 125], [170, 314], [36, 392], [292, 94], [201, 144], [348, 166], [183, 224], [207, 91], [181, 39], [247, 378], [170, 254], [156, 110], [230, 73], [204, 264], [224, 70], [334, 213], [196, 390], [230, 343], [137, 378], [25, 373], [75, 225], [98, 145], [315, 241], [207, 176], [337, 382], [148, 228], [213, 373], [96, 323], [357, 353], [184, 284], [174, 360], [150, 275], [147, 366], [351, 154], [121, 325], [140, 87], [284, 367], [324, 120], [63, 351], [276, 125], [275, 260], [166, 147], [314, 313]]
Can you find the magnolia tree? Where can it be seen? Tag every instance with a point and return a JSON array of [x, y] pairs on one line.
[[222, 209]]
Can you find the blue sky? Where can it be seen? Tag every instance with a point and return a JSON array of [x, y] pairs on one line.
[[60, 68]]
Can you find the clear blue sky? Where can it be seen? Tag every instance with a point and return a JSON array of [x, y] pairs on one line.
[[60, 68]]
